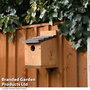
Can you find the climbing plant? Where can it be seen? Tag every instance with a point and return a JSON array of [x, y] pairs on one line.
[[74, 13], [12, 15]]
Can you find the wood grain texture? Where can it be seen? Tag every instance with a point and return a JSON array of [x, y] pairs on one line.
[[3, 57], [21, 70], [11, 58], [43, 77], [70, 65], [56, 75], [82, 69], [43, 74], [32, 72]]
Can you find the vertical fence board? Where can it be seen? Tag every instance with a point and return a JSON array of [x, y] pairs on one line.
[[11, 58], [43, 74], [3, 57], [82, 69], [32, 72], [56, 76], [21, 70], [70, 65]]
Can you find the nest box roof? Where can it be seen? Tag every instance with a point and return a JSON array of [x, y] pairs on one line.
[[38, 39]]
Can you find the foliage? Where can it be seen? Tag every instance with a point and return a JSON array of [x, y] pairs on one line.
[[12, 14], [74, 13]]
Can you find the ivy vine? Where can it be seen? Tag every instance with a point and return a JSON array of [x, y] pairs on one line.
[[74, 13]]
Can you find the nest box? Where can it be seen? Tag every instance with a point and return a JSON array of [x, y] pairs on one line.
[[41, 51]]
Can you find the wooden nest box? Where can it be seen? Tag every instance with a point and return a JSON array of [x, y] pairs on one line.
[[41, 52]]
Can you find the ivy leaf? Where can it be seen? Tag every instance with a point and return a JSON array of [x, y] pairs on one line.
[[12, 29], [32, 20], [69, 5], [60, 15], [86, 34], [69, 38], [19, 1], [82, 49], [4, 30], [59, 26], [6, 22], [33, 14], [42, 13], [86, 4], [65, 2], [71, 23], [55, 14], [27, 18], [77, 46], [78, 17], [73, 46], [51, 21], [79, 30], [82, 10], [70, 15], [14, 17], [63, 29], [85, 19], [11, 38], [72, 31]]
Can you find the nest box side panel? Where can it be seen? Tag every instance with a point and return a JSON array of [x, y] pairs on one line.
[[49, 53], [32, 55]]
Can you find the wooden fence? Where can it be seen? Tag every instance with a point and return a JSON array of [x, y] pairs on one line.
[[72, 70]]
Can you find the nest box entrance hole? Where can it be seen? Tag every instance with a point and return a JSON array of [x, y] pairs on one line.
[[32, 48]]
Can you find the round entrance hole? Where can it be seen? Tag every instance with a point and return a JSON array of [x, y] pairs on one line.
[[32, 48]]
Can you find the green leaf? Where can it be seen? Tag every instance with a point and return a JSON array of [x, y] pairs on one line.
[[71, 23], [82, 10], [14, 17], [65, 2], [11, 38], [27, 18], [79, 31], [42, 12], [4, 30], [19, 1], [82, 49], [86, 4], [73, 46], [51, 21], [63, 29], [60, 15], [6, 22], [86, 34], [85, 19], [77, 46], [29, 11], [70, 15], [78, 17], [33, 14], [12, 29], [69, 5], [69, 38], [72, 31], [55, 14], [59, 26]]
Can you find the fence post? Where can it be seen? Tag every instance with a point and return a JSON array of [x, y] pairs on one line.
[[88, 60]]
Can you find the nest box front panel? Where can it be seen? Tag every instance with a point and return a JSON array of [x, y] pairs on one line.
[[32, 55]]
